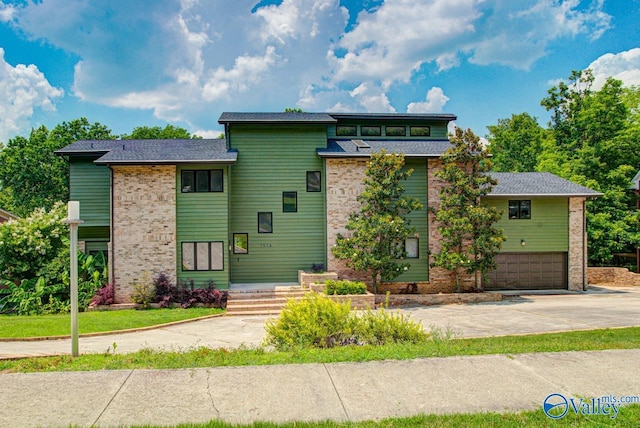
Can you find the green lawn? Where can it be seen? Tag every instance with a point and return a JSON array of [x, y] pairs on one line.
[[623, 338], [629, 416], [14, 326]]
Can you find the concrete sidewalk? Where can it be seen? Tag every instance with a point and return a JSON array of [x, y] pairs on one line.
[[598, 308], [312, 392]]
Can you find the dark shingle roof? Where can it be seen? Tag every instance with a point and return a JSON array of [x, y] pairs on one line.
[[284, 117], [395, 116], [153, 151], [537, 184], [410, 148]]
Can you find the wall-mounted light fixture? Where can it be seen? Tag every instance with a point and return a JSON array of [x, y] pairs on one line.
[[523, 242]]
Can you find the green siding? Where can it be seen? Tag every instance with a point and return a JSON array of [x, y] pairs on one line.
[[90, 246], [547, 230], [438, 129], [416, 186], [272, 160], [202, 217], [90, 185]]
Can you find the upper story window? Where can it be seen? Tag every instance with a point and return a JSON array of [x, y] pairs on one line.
[[520, 209], [395, 131], [370, 131], [205, 180], [314, 181], [420, 131], [346, 130]]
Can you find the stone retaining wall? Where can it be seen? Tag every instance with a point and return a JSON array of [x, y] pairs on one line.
[[612, 276], [438, 299]]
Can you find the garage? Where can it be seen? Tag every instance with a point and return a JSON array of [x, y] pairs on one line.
[[529, 271]]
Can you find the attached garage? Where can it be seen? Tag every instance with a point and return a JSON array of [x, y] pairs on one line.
[[544, 226], [529, 271]]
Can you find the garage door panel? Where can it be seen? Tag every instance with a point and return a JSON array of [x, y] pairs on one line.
[[528, 271]]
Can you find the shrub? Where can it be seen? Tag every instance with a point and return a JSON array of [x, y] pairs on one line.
[[105, 295], [143, 291], [315, 321], [317, 268], [343, 287], [318, 322], [186, 294]]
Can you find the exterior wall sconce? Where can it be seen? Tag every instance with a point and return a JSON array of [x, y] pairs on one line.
[[523, 242]]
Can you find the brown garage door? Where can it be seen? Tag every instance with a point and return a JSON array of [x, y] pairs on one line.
[[528, 271]]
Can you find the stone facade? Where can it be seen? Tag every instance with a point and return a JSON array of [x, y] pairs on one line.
[[577, 263], [143, 225], [344, 184]]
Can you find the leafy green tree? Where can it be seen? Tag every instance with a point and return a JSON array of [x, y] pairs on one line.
[[515, 143], [169, 132], [469, 241], [293, 110], [31, 175], [596, 136], [379, 229]]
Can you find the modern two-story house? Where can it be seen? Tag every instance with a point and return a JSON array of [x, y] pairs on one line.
[[270, 198]]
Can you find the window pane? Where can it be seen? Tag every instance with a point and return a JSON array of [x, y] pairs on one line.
[[370, 131], [240, 243], [513, 209], [265, 223], [188, 256], [289, 202], [314, 183], [411, 247], [525, 209], [346, 130], [202, 181], [420, 131], [202, 256], [217, 256], [395, 131], [217, 184], [187, 181]]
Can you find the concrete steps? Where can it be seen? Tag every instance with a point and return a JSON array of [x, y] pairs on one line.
[[262, 302]]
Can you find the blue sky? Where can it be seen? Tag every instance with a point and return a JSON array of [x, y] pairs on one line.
[[152, 62]]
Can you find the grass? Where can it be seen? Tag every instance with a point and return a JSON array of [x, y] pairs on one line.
[[14, 326], [591, 340], [628, 417]]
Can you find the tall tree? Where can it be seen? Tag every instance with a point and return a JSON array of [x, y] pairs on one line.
[[169, 132], [515, 143], [596, 134], [376, 244], [31, 175], [470, 241]]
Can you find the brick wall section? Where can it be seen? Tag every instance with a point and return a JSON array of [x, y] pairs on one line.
[[143, 228], [577, 263], [344, 184]]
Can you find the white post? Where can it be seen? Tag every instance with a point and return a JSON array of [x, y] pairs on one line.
[[73, 220]]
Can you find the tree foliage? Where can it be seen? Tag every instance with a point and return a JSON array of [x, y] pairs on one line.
[[32, 175], [515, 143], [469, 241], [169, 132], [597, 144], [379, 229]]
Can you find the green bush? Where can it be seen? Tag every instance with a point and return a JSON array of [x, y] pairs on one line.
[[144, 292], [318, 322], [343, 287]]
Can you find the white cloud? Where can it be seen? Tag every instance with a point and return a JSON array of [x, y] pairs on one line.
[[623, 66], [23, 88], [435, 101], [6, 12], [372, 98]]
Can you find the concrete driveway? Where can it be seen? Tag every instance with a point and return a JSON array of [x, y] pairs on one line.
[[597, 308]]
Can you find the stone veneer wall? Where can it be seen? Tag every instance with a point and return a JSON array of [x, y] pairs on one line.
[[577, 263], [344, 184], [143, 225]]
